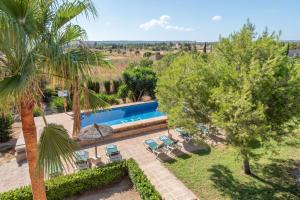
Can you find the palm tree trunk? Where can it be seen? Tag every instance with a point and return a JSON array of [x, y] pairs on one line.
[[76, 108], [30, 137]]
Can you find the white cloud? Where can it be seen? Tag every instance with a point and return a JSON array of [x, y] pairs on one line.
[[216, 18], [162, 22]]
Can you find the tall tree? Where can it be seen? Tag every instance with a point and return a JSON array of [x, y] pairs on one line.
[[138, 79], [248, 87], [260, 104], [33, 38]]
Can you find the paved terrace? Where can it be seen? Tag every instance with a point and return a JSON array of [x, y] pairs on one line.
[[13, 176]]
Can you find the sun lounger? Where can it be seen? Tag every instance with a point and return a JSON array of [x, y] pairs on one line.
[[112, 153], [168, 143], [152, 146], [183, 134], [82, 160]]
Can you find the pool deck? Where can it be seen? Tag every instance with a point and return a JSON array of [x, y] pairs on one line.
[[164, 181]]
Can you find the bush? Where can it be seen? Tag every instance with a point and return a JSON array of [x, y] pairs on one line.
[[116, 85], [95, 86], [110, 99], [141, 182], [37, 111], [107, 87], [48, 94], [147, 54], [66, 186], [123, 92], [5, 127], [57, 103]]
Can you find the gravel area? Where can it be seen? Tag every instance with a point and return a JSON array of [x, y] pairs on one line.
[[119, 191]]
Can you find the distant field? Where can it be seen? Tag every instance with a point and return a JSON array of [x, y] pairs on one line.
[[119, 64]]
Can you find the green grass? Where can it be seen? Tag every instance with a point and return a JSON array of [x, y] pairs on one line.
[[217, 174]]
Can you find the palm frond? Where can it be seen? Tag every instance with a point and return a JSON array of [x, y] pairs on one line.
[[69, 10], [56, 149], [90, 101], [72, 33]]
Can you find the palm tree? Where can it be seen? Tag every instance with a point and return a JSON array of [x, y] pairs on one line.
[[33, 38], [79, 73]]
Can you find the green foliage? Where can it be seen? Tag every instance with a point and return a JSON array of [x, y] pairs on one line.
[[247, 87], [146, 62], [48, 93], [140, 79], [69, 185], [58, 104], [141, 182], [5, 127], [107, 86], [116, 85], [56, 148], [147, 54], [110, 99], [183, 90], [260, 102], [123, 91], [37, 111], [95, 86]]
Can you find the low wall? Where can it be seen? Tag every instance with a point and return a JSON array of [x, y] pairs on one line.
[[131, 129]]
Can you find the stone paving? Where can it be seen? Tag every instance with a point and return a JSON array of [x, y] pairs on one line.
[[164, 181]]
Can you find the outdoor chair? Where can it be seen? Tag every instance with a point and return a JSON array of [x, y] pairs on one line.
[[169, 144], [183, 134], [153, 147], [112, 153], [82, 160]]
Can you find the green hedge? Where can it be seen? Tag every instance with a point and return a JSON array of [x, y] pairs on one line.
[[111, 99], [141, 182], [69, 185]]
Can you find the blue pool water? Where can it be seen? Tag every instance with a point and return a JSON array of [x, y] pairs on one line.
[[122, 115]]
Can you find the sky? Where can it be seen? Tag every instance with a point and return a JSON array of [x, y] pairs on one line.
[[195, 20]]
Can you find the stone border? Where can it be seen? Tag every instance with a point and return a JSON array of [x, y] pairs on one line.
[[131, 129]]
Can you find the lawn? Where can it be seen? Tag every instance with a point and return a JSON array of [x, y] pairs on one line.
[[217, 174]]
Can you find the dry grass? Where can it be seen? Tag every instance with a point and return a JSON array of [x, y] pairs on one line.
[[119, 64]]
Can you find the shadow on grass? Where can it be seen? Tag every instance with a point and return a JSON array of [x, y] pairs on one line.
[[275, 182], [197, 147], [166, 158]]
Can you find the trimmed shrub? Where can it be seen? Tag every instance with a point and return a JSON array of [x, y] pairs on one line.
[[110, 99], [107, 86], [141, 182], [5, 127], [95, 86], [66, 186], [116, 85]]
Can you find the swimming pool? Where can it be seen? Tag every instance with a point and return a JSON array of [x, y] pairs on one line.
[[122, 115]]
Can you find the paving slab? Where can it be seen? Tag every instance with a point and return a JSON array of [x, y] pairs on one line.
[[166, 183]]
